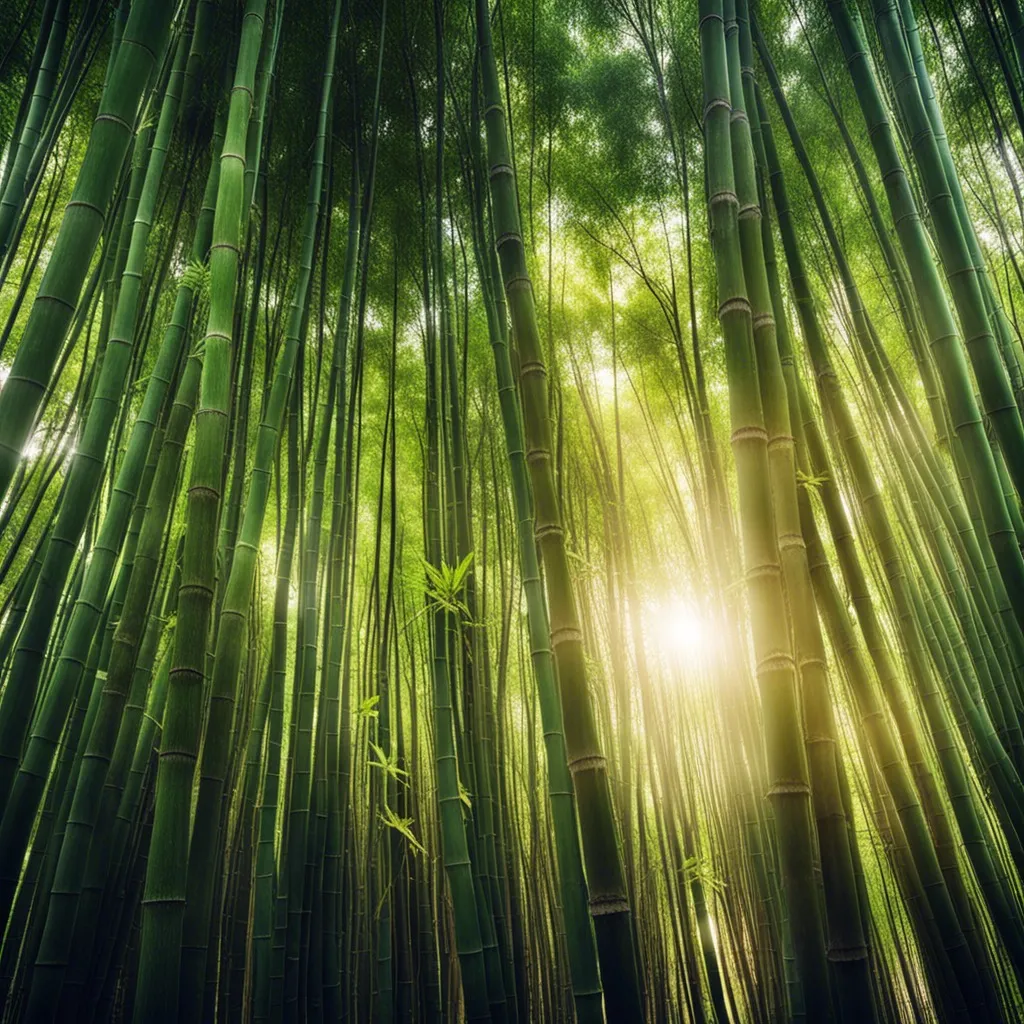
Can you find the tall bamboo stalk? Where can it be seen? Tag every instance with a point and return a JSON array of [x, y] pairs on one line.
[[165, 893], [605, 879]]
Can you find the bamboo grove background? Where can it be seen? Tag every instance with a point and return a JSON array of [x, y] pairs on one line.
[[511, 512]]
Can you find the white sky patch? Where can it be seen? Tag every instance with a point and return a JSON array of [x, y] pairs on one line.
[[604, 377]]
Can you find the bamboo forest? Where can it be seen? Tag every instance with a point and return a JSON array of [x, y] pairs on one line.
[[512, 511]]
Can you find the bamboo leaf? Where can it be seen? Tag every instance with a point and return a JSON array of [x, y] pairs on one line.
[[403, 826]]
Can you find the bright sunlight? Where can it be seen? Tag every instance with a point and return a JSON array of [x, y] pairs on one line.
[[680, 630]]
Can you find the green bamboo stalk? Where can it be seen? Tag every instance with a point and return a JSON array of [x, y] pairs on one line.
[[16, 173], [26, 785], [580, 942], [869, 499], [776, 671], [609, 906], [234, 617], [942, 332], [265, 881], [847, 945], [455, 850], [164, 899], [54, 305], [987, 587], [337, 612], [47, 978]]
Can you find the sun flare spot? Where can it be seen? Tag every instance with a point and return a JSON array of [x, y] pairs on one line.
[[680, 630]]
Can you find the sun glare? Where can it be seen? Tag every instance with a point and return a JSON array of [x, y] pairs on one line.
[[32, 448], [680, 630]]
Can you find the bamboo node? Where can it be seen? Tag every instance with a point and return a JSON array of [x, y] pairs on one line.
[[896, 172], [818, 740], [749, 434], [31, 382], [790, 540], [777, 661], [788, 787], [85, 206], [143, 45], [601, 905], [808, 662], [548, 530], [844, 954], [781, 441], [713, 16], [736, 304], [522, 281], [159, 901], [749, 211], [114, 119], [566, 635], [587, 763], [498, 169], [968, 269], [722, 195], [763, 320], [45, 297], [974, 338], [713, 104], [508, 236]]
